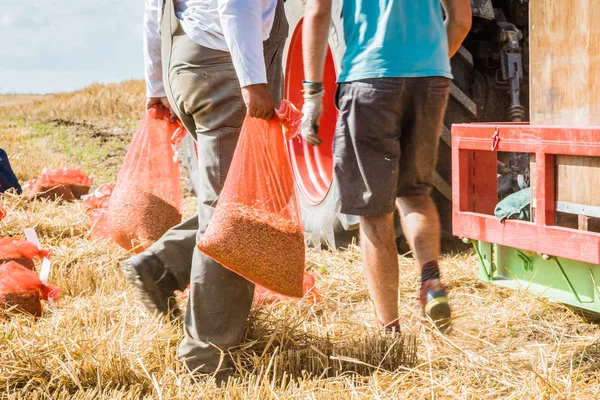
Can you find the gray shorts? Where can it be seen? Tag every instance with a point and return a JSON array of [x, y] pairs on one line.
[[386, 140]]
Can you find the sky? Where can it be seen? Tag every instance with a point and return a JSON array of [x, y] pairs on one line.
[[51, 46]]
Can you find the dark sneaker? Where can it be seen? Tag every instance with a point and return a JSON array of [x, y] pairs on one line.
[[435, 303], [155, 286], [393, 330]]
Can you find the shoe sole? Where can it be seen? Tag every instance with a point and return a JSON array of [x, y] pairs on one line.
[[143, 290], [438, 310]]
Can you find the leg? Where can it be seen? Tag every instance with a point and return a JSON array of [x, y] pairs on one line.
[[205, 90], [175, 249], [219, 300], [421, 126], [380, 261], [366, 157], [421, 226]]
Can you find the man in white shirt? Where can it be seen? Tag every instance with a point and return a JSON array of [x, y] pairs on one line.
[[212, 63]]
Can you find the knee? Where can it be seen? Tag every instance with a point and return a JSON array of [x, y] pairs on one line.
[[377, 225], [410, 204]]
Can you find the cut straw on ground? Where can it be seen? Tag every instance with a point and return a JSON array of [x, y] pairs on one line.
[[99, 343]]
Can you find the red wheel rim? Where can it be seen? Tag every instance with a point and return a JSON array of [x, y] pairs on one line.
[[313, 166]]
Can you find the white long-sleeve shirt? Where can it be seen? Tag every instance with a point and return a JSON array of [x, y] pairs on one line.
[[236, 26]]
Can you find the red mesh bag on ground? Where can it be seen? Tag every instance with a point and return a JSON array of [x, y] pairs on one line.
[[21, 290], [3, 212], [146, 201], [61, 183], [22, 252], [256, 230], [97, 205]]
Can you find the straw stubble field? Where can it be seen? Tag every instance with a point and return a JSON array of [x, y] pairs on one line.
[[99, 343]]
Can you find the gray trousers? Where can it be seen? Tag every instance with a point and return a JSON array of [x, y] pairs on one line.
[[203, 88]]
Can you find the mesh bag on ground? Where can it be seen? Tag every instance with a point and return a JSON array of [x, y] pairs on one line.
[[62, 183], [22, 291], [256, 229], [21, 251], [146, 201]]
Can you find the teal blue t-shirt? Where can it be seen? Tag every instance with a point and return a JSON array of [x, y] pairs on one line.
[[394, 38]]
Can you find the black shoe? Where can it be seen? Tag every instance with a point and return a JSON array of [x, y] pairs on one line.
[[154, 284], [435, 304]]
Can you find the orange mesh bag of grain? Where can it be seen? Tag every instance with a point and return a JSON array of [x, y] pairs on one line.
[[62, 183], [256, 230], [22, 252], [311, 294], [97, 205], [146, 201], [22, 291]]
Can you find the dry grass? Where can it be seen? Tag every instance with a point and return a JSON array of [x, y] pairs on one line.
[[100, 101], [98, 343]]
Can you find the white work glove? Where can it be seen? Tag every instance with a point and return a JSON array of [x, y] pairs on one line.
[[311, 110]]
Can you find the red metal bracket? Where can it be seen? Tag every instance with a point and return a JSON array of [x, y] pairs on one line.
[[495, 139]]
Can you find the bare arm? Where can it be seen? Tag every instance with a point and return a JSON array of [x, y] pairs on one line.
[[315, 32], [458, 23]]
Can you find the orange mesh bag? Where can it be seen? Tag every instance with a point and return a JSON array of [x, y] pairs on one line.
[[62, 183], [21, 251], [256, 230], [21, 290], [3, 212], [100, 197], [97, 205], [311, 294], [146, 201]]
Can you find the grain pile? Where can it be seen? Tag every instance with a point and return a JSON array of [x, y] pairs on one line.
[[265, 248], [138, 217], [24, 261], [26, 302]]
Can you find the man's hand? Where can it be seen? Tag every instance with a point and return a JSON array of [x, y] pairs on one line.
[[259, 103], [161, 101], [311, 110]]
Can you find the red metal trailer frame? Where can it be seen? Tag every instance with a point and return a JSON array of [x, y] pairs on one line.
[[474, 187]]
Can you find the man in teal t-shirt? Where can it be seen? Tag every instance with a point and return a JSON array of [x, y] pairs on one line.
[[392, 95]]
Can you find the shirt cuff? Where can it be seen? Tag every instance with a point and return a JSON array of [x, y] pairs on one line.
[[255, 80], [158, 92]]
